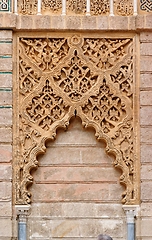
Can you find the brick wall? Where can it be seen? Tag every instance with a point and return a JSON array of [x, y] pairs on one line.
[[146, 134], [5, 135]]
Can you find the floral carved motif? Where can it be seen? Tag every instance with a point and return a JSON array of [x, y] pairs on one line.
[[27, 7], [99, 7], [105, 53], [146, 5], [124, 7], [68, 76]]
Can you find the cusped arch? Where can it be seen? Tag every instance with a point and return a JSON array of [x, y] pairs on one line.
[[59, 78]]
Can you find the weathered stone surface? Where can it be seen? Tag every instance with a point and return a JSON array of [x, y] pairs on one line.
[[146, 172], [5, 80], [146, 153], [5, 153], [146, 49], [6, 34], [76, 192], [146, 115], [6, 116], [5, 135], [75, 174], [5, 172], [6, 209], [145, 63], [146, 134], [146, 37], [6, 98], [5, 191], [146, 194], [146, 210], [5, 64], [5, 48], [146, 81], [146, 229], [6, 228], [89, 23]]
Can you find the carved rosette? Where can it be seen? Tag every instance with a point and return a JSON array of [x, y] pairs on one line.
[[75, 76], [123, 7], [99, 7]]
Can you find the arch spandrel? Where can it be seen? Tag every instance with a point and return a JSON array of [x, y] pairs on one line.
[[62, 77]]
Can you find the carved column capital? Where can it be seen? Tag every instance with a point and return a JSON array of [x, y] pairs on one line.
[[131, 212], [22, 211]]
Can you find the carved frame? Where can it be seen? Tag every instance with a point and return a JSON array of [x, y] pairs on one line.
[[60, 75]]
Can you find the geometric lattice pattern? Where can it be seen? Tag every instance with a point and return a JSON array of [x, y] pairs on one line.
[[5, 5], [65, 76], [146, 5]]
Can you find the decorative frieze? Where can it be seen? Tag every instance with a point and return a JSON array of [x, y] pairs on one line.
[[62, 77]]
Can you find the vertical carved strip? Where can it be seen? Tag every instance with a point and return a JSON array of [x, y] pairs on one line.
[[88, 8], [39, 7], [15, 7], [111, 8], [135, 7], [63, 7]]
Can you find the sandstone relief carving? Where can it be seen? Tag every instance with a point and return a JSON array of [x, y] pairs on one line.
[[27, 7], [54, 5], [76, 6], [62, 77], [99, 7], [123, 7]]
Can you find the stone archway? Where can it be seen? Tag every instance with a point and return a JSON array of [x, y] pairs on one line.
[[75, 75]]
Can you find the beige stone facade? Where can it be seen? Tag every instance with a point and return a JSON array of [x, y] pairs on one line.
[[75, 119]]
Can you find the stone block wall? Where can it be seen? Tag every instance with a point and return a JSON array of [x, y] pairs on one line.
[[5, 134], [76, 191], [146, 133]]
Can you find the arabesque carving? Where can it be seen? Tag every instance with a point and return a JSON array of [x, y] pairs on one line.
[[62, 77], [124, 7], [53, 5], [27, 6], [76, 6], [99, 7]]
